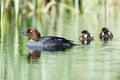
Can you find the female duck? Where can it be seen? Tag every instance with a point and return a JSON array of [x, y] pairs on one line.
[[47, 41], [85, 37], [105, 34]]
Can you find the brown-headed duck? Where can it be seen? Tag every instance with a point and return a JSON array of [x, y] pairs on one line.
[[105, 34], [46, 41], [85, 37]]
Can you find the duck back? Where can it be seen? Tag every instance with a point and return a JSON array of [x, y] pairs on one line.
[[51, 41]]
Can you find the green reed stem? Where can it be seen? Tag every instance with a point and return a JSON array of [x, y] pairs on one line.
[[1, 50], [16, 52]]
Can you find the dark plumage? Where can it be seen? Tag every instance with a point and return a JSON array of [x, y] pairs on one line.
[[85, 37], [46, 41], [105, 34]]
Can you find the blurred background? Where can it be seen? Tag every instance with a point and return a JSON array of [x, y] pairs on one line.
[[64, 18]]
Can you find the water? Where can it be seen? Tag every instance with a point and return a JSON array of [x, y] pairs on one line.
[[96, 61]]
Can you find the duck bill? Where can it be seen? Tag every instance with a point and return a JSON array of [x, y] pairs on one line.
[[24, 33]]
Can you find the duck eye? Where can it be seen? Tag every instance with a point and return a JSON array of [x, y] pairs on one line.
[[31, 30]]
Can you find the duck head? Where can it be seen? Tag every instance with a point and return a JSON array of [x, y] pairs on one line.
[[32, 33], [105, 30], [85, 32]]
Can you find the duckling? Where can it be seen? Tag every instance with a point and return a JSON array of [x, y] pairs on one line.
[[105, 34], [85, 37]]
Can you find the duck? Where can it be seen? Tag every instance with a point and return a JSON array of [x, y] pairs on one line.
[[46, 42], [105, 34], [85, 37]]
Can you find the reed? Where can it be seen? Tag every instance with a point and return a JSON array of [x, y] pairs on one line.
[[1, 42]]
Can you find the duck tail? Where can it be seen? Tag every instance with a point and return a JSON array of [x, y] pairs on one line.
[[76, 44]]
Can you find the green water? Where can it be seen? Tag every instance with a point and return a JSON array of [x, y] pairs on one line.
[[97, 61]]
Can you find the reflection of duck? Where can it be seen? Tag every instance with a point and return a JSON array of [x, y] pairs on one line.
[[85, 37], [33, 56], [105, 34], [47, 41]]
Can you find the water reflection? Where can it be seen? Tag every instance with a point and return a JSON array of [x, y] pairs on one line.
[[33, 56], [35, 52]]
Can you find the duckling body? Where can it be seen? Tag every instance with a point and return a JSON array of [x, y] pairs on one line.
[[105, 34], [85, 37]]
